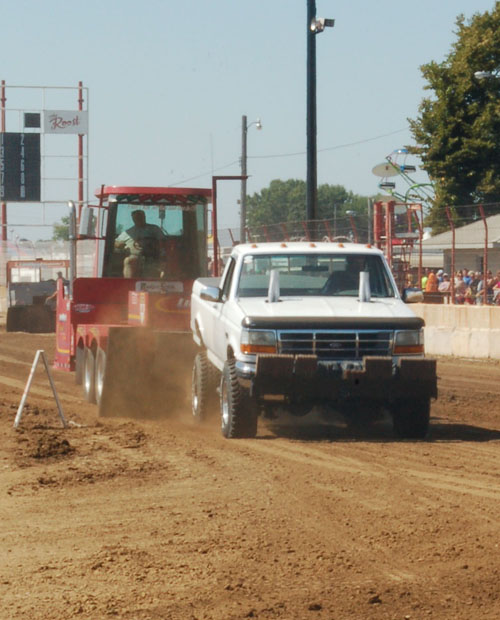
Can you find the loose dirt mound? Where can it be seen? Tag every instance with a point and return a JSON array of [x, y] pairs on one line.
[[49, 445], [165, 520]]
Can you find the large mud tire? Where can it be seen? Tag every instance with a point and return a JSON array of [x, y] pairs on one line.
[[100, 373], [238, 411], [411, 418], [89, 376], [203, 385], [79, 363]]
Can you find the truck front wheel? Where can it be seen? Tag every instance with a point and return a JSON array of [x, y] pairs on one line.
[[411, 418], [238, 411]]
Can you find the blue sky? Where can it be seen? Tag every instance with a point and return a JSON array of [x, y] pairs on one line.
[[169, 81]]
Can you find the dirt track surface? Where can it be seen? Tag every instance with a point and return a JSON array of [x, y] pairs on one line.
[[150, 520]]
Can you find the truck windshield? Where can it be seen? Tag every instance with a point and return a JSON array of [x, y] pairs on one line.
[[156, 241], [330, 275]]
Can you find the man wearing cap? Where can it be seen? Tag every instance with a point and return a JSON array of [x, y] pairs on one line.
[[142, 241]]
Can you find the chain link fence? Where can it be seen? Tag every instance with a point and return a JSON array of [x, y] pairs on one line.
[[23, 250], [471, 244]]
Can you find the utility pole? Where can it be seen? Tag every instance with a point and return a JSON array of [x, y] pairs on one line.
[[243, 196], [2, 129], [311, 179]]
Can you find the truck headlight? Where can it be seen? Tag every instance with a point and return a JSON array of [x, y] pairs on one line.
[[255, 341], [409, 342]]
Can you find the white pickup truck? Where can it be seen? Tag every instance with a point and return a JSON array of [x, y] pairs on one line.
[[290, 326]]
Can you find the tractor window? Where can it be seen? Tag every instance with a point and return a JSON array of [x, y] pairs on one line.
[[169, 220], [164, 241]]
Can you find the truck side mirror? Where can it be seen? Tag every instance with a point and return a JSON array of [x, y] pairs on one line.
[[211, 293], [86, 225], [412, 296]]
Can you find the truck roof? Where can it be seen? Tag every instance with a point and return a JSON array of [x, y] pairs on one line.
[[299, 247]]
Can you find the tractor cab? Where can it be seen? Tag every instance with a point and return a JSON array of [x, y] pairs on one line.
[[153, 233]]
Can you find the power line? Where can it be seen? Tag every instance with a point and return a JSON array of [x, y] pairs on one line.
[[204, 174], [330, 148]]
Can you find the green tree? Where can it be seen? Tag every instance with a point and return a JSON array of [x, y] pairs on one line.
[[458, 130], [60, 230], [285, 201]]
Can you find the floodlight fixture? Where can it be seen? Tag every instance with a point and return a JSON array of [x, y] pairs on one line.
[[318, 24]]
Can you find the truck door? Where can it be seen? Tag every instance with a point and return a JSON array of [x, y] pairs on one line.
[[219, 326]]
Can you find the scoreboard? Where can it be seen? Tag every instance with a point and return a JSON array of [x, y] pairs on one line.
[[20, 167]]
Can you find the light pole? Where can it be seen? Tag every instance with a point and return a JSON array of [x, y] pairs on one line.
[[243, 198], [314, 26]]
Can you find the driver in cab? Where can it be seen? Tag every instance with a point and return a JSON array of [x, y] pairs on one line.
[[143, 244]]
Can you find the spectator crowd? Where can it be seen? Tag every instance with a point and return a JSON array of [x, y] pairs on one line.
[[468, 286]]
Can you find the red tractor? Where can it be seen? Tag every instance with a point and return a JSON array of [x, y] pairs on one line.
[[125, 331]]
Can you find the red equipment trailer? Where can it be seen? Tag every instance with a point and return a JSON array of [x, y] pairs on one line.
[[125, 331], [30, 283]]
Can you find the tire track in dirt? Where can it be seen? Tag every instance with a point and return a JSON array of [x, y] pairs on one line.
[[460, 485], [12, 360], [308, 456], [406, 470], [39, 391], [341, 495]]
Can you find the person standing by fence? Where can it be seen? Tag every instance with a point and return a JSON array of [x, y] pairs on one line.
[[431, 285]]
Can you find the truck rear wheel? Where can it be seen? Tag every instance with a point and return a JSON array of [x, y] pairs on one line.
[[238, 411], [203, 385], [100, 370], [79, 364], [411, 418], [89, 376]]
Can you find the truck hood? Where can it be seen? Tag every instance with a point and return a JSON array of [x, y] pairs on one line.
[[326, 311]]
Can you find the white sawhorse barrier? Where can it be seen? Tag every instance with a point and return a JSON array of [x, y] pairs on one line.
[[39, 354]]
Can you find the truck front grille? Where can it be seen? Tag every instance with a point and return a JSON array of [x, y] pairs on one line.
[[336, 345]]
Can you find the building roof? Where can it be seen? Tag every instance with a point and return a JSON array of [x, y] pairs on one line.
[[469, 237]]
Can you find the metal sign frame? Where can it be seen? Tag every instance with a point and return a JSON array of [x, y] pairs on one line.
[[81, 156]]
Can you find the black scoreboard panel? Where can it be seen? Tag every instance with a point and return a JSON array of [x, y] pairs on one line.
[[19, 167]]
